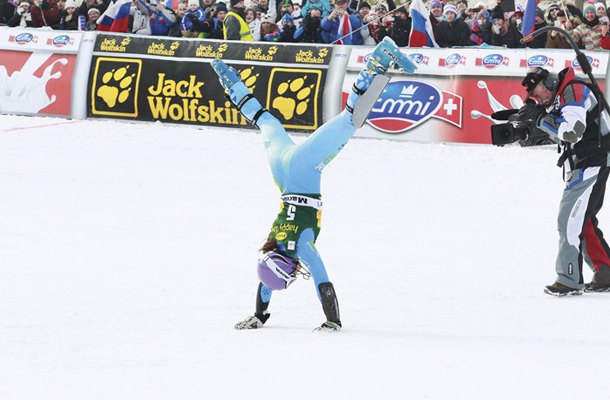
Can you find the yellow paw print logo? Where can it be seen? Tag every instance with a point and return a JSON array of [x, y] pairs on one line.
[[248, 78], [298, 100], [125, 42], [116, 86], [323, 52], [174, 45], [223, 47], [272, 50]]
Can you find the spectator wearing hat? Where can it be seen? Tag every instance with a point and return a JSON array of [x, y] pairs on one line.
[[322, 5], [270, 32], [70, 17], [362, 10], [213, 26], [22, 17], [263, 8], [591, 31], [193, 16], [45, 13], [452, 31], [235, 26], [86, 5], [504, 33], [400, 29], [601, 9], [462, 8], [93, 15], [342, 25], [552, 13], [436, 12]]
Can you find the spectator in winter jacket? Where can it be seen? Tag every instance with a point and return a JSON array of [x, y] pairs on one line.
[[591, 30], [554, 39], [22, 17], [71, 18], [370, 34], [311, 31], [45, 13], [342, 25], [452, 31], [503, 33], [213, 26], [269, 29], [539, 42], [176, 30], [93, 15], [235, 26], [193, 9], [481, 29], [322, 5], [400, 28], [160, 18], [86, 5], [364, 9], [7, 10], [436, 12], [254, 24]]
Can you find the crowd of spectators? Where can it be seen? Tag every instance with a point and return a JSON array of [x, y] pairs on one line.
[[351, 22]]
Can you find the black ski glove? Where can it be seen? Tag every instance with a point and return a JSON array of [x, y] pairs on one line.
[[530, 111], [197, 25]]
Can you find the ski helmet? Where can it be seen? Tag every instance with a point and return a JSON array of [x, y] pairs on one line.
[[276, 270]]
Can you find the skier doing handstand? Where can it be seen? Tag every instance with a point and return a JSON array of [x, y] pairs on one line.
[[297, 170]]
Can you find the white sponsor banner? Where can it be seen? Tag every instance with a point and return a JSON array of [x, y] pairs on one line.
[[24, 39]]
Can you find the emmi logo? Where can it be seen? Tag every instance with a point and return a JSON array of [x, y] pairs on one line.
[[114, 90], [182, 100], [294, 94]]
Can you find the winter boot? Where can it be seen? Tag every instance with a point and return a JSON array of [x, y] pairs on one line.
[[238, 92], [559, 290], [600, 281]]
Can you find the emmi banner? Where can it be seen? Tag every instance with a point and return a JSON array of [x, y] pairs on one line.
[[171, 80]]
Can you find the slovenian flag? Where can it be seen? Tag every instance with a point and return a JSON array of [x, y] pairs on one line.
[[422, 34], [116, 17], [529, 17]]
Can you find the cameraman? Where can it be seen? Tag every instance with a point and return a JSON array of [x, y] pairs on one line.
[[568, 110]]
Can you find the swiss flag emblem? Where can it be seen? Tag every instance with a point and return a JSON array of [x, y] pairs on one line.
[[451, 109]]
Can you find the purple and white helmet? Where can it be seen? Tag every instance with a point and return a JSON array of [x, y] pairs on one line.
[[277, 271]]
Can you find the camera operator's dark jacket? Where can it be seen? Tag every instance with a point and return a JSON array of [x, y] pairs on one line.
[[585, 145], [449, 34]]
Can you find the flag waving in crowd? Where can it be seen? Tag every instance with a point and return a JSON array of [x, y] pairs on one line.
[[422, 34], [529, 17], [116, 17]]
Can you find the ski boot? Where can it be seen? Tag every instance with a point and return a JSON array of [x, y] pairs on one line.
[[238, 92], [386, 55], [330, 305], [600, 281], [329, 327], [371, 81]]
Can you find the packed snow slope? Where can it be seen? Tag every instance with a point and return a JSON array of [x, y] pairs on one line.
[[128, 252]]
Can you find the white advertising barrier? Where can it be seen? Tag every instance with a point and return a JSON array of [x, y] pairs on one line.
[[37, 67], [451, 96]]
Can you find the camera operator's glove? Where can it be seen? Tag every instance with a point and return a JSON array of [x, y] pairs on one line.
[[197, 25], [531, 111]]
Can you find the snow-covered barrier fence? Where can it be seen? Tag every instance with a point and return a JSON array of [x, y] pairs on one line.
[[132, 77]]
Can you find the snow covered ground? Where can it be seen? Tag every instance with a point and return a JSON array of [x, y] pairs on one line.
[[128, 252]]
